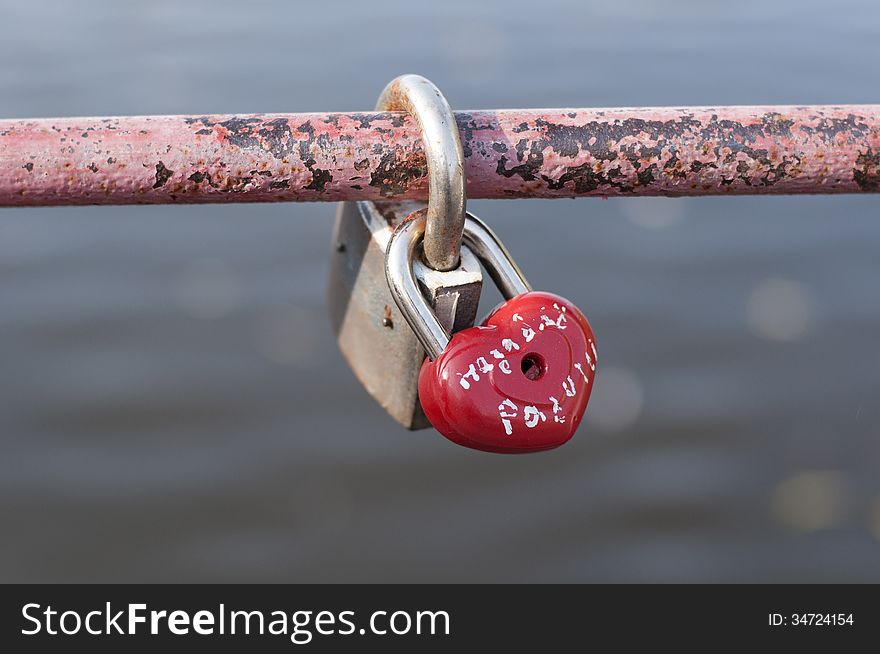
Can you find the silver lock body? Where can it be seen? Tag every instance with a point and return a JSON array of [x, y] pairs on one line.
[[382, 350]]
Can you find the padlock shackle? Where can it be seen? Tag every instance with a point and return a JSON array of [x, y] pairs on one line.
[[489, 249], [447, 192], [402, 250]]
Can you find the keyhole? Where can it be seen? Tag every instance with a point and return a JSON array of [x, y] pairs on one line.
[[532, 366]]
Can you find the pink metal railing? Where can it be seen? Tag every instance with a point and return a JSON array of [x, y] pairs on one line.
[[541, 153]]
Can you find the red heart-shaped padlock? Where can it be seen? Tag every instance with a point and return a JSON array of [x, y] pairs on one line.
[[519, 382]]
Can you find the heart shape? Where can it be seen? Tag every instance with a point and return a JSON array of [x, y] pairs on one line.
[[520, 382]]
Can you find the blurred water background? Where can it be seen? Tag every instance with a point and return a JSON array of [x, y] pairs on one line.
[[173, 406]]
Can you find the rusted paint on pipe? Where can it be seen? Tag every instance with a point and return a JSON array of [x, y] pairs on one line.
[[549, 153]]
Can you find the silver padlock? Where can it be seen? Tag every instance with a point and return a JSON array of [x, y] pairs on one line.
[[401, 271], [375, 339]]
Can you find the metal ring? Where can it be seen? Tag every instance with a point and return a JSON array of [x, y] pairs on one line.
[[447, 194], [402, 247]]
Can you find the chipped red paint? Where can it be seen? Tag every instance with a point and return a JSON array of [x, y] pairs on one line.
[[510, 153]]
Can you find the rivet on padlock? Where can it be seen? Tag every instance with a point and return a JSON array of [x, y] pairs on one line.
[[376, 341], [519, 382]]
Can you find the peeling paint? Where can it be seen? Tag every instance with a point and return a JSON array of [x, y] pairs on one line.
[[162, 175], [867, 171], [378, 155]]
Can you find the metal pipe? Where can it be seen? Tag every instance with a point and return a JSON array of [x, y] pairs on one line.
[[539, 153]]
